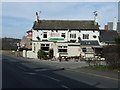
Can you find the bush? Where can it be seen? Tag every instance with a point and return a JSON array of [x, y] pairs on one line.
[[50, 53], [111, 54], [41, 54], [117, 40]]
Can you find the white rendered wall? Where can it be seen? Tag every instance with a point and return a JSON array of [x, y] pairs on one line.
[[73, 51], [67, 38], [91, 34], [31, 54]]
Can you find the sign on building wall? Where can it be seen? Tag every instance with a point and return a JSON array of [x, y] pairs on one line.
[[55, 36]]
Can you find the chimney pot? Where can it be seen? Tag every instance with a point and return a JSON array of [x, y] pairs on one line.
[[37, 17], [115, 23], [36, 13], [106, 27]]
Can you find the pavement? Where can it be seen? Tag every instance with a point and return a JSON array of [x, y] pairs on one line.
[[71, 64], [64, 64]]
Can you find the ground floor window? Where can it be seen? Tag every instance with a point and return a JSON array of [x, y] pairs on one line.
[[87, 49], [45, 47], [62, 49], [84, 49]]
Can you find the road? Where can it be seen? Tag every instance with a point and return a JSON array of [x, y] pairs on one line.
[[23, 73]]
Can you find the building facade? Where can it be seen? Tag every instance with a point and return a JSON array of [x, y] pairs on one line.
[[26, 42], [65, 37]]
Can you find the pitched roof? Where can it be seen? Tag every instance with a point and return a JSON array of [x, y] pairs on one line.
[[65, 24], [108, 35], [29, 31], [89, 43]]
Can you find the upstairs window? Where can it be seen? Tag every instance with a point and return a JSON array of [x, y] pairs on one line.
[[73, 36], [85, 36], [63, 35], [45, 35]]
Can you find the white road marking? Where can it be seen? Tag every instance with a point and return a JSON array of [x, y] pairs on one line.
[[30, 73], [21, 68], [52, 78], [41, 69], [66, 87]]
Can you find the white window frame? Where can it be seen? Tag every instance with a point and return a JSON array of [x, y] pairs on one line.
[[63, 34], [85, 36], [72, 36], [44, 34], [64, 48], [45, 45]]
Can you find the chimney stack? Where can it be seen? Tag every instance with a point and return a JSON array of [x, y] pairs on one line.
[[37, 17], [115, 24], [96, 17], [106, 27]]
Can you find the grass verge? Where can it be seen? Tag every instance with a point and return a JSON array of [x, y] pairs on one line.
[[103, 68]]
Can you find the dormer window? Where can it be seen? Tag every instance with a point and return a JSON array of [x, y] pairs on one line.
[[73, 36], [63, 35], [45, 35], [85, 36]]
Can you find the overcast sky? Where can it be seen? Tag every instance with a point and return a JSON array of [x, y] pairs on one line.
[[18, 17]]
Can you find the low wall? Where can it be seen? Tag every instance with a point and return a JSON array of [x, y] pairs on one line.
[[19, 53], [31, 54]]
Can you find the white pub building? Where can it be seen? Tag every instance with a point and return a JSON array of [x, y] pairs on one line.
[[65, 37]]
